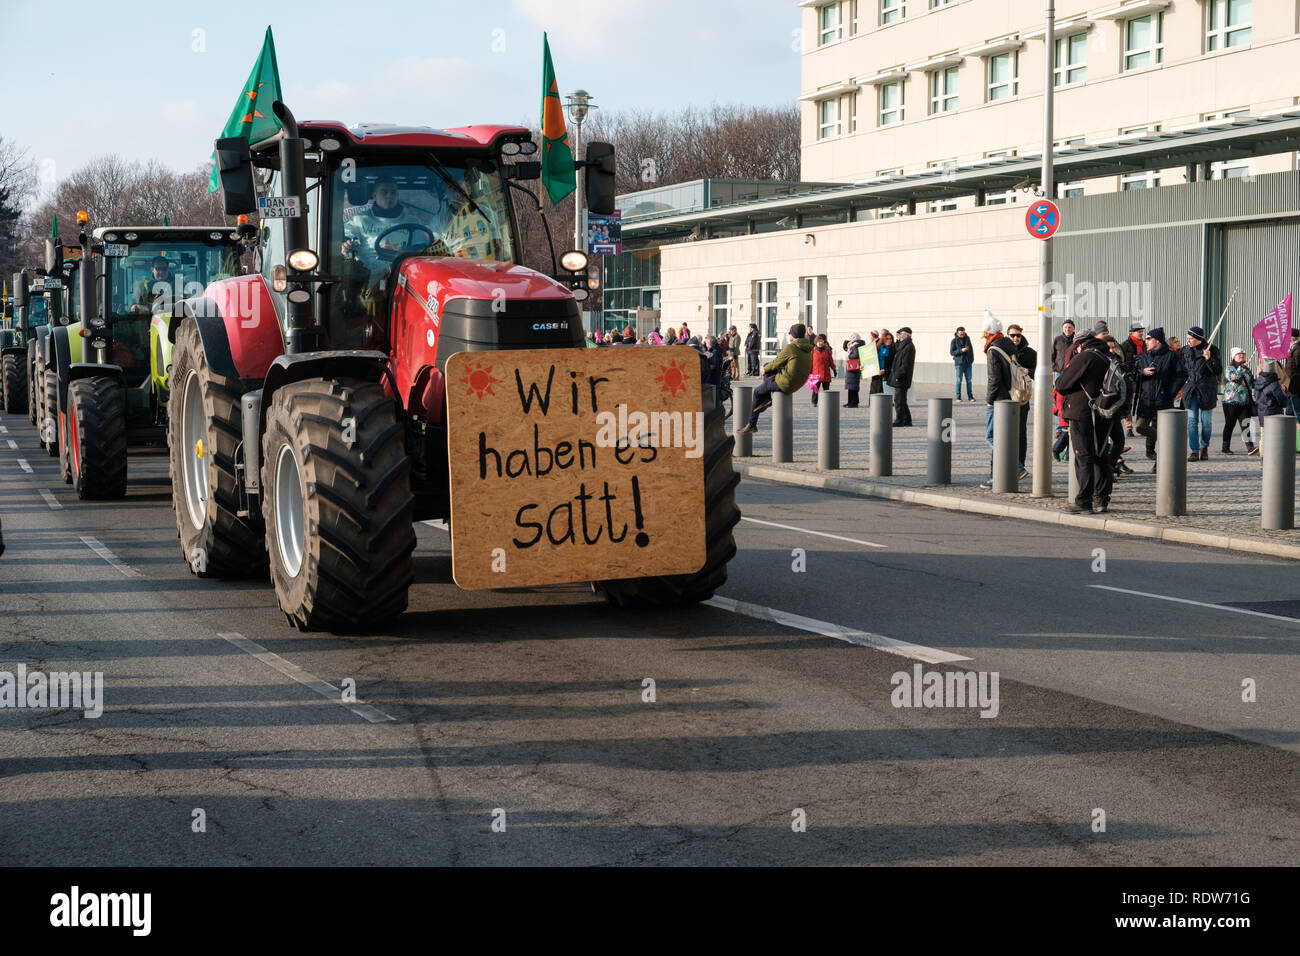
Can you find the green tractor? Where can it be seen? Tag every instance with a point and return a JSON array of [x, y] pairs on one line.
[[18, 346], [50, 293], [107, 373]]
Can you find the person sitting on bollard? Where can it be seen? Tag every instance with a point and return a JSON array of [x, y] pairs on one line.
[[786, 373], [1089, 432], [1027, 359], [999, 353], [1238, 396], [1160, 377], [1202, 366]]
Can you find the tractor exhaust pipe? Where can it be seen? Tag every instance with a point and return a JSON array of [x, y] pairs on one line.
[[304, 332]]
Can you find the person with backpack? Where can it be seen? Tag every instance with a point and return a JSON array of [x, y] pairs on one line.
[[1117, 448], [1160, 377], [853, 369], [1202, 366], [1027, 359], [1238, 397], [1080, 384]]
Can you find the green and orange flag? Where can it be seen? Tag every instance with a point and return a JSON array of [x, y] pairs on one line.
[[252, 117], [559, 177]]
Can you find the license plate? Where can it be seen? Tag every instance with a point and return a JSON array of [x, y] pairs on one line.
[[278, 207], [116, 250]]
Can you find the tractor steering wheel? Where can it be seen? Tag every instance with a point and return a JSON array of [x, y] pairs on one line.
[[411, 229]]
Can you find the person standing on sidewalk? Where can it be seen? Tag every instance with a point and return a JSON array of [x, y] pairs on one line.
[[963, 359], [753, 345], [823, 366], [853, 368], [1089, 432], [1027, 359], [900, 377], [999, 353], [1131, 348], [1238, 397], [1160, 377], [785, 373], [1060, 345], [1202, 367], [733, 351], [884, 361]]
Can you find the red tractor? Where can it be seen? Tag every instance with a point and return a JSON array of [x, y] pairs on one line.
[[308, 425]]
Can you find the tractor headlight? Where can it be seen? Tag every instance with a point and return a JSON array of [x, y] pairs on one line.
[[580, 294], [574, 261], [99, 342], [303, 260], [279, 279]]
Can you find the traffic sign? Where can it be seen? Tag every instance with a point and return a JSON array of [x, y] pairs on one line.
[[1043, 219]]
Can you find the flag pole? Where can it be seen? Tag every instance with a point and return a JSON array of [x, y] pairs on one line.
[[1222, 317]]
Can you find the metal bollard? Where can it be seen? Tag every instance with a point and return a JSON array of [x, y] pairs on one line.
[[1171, 462], [939, 441], [743, 402], [1006, 446], [882, 436], [828, 431], [782, 427], [1277, 507]]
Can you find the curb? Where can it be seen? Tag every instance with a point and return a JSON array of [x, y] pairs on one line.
[[949, 502]]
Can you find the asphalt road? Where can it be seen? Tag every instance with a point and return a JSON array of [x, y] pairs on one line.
[[527, 707]]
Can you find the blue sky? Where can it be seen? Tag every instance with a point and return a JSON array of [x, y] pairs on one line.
[[148, 79]]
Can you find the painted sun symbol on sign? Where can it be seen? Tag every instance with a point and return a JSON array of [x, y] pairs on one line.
[[672, 376], [479, 380]]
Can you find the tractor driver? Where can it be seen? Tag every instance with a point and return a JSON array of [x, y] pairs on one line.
[[146, 290], [385, 211]]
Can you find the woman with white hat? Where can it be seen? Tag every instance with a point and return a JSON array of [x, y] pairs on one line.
[[1237, 401]]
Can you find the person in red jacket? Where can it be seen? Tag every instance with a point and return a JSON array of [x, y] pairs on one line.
[[823, 366]]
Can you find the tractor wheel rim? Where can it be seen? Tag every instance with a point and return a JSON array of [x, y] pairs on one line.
[[290, 507], [72, 441], [194, 467]]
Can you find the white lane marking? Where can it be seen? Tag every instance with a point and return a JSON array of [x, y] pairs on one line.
[[94, 544], [294, 672], [1214, 607], [3, 430], [437, 523], [820, 534], [22, 463], [849, 635], [13, 445], [51, 500]]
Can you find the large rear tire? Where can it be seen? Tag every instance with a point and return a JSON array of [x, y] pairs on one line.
[[338, 514], [50, 413], [721, 516], [33, 401], [13, 375], [96, 438], [204, 428]]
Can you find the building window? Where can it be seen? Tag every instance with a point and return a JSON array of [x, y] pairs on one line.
[[1146, 180], [1000, 199], [1004, 75], [888, 212], [1069, 190], [853, 18], [1227, 114], [721, 308], [829, 17], [1071, 59], [853, 112], [942, 205], [891, 11], [1231, 169], [943, 90], [1144, 41], [1227, 24], [765, 313], [936, 4], [830, 118], [814, 304], [891, 102]]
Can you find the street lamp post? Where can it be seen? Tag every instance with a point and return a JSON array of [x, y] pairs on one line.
[[579, 103], [1043, 378]]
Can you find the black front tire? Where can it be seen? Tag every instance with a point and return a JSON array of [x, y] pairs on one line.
[[96, 438], [353, 500], [33, 401], [721, 516], [13, 376]]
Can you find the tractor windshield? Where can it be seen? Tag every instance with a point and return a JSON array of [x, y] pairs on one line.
[[36, 313]]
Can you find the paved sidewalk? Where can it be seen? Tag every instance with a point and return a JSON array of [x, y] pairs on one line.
[[1223, 494]]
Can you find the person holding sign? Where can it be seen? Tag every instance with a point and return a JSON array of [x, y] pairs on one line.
[[786, 373]]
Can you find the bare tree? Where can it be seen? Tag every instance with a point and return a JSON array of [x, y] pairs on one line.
[[17, 186]]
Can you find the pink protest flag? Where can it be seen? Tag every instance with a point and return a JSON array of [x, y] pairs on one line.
[[1272, 334]]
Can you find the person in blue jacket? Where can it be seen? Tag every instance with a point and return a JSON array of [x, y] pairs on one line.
[[963, 358]]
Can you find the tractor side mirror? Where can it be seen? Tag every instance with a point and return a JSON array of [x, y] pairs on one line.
[[235, 173], [21, 289], [524, 171], [600, 178], [86, 288], [53, 257]]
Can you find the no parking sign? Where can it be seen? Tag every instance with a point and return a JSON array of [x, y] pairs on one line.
[[1043, 219]]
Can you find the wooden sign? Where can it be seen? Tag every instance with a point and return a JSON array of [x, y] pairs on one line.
[[575, 465]]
